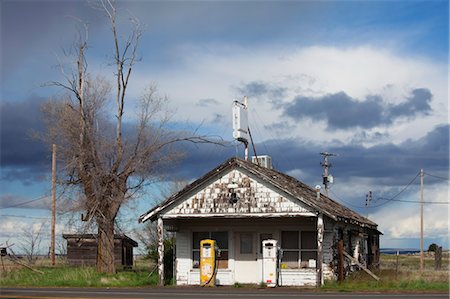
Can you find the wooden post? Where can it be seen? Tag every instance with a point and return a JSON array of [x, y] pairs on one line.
[[319, 263], [341, 260], [160, 229], [52, 249], [3, 265], [438, 258], [421, 220], [351, 258], [396, 265]]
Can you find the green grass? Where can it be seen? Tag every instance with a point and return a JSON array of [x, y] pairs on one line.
[[408, 278], [411, 281], [66, 276]]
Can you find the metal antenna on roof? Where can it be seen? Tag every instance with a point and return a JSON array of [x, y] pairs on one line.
[[327, 178], [240, 123]]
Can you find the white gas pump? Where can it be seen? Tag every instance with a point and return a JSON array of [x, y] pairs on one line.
[[270, 262]]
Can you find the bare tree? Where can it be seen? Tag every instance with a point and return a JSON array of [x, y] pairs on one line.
[[107, 165], [30, 241], [147, 234]]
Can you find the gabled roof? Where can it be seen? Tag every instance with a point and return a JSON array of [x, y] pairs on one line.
[[94, 237], [281, 181]]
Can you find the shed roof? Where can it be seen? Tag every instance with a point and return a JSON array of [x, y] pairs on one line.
[[284, 182], [94, 236]]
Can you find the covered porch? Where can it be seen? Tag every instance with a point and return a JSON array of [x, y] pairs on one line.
[[239, 239]]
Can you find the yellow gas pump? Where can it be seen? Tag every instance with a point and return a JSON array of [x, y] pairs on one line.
[[207, 263]]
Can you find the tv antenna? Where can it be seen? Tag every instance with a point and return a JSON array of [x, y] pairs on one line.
[[241, 131]]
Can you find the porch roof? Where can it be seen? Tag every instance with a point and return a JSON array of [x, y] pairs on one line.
[[279, 180]]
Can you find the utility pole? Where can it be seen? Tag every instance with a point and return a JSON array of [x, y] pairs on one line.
[[368, 201], [421, 220], [53, 203], [326, 177]]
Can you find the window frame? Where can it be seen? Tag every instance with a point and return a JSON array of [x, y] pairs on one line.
[[301, 264]]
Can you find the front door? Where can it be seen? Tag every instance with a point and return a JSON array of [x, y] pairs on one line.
[[246, 268]]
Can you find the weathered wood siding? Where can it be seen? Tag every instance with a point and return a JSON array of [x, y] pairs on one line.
[[82, 252], [301, 277], [254, 197]]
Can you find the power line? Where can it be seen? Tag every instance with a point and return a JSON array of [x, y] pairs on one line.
[[346, 202], [396, 195], [416, 201], [24, 203], [394, 198], [388, 200], [28, 217], [259, 131], [437, 176]]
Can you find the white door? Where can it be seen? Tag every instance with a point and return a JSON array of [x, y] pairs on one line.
[[246, 268]]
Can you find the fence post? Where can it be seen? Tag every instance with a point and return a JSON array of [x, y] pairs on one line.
[[438, 258], [396, 265]]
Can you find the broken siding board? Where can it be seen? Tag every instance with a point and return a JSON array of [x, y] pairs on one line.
[[254, 198], [304, 277]]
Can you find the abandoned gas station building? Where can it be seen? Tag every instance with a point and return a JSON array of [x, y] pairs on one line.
[[239, 204]]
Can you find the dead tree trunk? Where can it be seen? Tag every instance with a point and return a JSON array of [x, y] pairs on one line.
[[105, 248]]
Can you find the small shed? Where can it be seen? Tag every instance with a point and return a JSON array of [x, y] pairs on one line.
[[82, 249]]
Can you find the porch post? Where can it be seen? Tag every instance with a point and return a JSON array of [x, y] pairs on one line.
[[319, 263], [160, 230]]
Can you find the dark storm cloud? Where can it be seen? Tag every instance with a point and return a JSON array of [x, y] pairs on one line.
[[259, 89], [418, 102], [22, 156], [31, 28], [341, 111], [387, 164]]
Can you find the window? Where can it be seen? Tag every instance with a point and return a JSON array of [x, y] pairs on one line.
[[290, 246], [221, 239], [308, 249], [246, 243], [299, 249]]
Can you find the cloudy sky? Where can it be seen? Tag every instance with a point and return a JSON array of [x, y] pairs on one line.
[[366, 80]]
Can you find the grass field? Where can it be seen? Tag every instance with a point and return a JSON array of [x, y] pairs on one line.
[[63, 275], [407, 278]]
